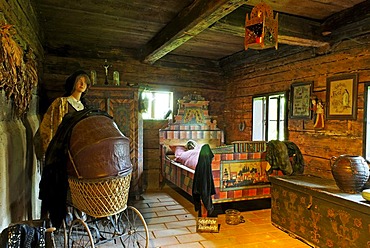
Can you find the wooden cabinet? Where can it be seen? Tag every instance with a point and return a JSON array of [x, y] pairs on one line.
[[315, 210], [123, 105]]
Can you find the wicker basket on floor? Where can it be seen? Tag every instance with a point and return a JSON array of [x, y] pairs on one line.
[[100, 197]]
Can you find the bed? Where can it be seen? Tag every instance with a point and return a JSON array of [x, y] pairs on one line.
[[238, 169]]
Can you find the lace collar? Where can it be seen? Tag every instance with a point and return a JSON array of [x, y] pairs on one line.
[[75, 104]]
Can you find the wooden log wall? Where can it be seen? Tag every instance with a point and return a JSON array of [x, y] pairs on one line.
[[251, 76], [21, 14], [182, 78], [19, 168], [152, 152]]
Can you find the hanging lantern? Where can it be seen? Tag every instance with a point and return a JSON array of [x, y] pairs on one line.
[[261, 30]]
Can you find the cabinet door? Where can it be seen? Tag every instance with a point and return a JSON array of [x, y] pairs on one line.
[[123, 114], [122, 105]]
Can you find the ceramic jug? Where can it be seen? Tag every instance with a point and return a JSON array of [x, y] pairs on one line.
[[350, 172]]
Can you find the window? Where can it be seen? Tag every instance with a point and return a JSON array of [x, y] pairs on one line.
[[367, 123], [269, 117], [158, 105]]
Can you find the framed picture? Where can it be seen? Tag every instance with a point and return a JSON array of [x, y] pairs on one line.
[[239, 174], [300, 100], [341, 97]]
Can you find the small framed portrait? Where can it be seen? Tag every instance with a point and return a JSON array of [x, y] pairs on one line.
[[300, 100], [341, 97]]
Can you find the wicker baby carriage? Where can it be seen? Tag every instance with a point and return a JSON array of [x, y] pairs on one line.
[[100, 197], [99, 167], [99, 174]]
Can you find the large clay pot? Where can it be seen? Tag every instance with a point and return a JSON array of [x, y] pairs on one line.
[[350, 172]]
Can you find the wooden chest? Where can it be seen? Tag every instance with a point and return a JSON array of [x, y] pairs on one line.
[[316, 211]]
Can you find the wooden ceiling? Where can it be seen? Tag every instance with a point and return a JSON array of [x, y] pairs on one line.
[[208, 29]]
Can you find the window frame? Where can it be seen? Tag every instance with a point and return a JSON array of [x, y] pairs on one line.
[[366, 109], [266, 116], [151, 110]]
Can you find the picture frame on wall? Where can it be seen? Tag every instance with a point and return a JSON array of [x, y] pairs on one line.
[[300, 100], [341, 97]]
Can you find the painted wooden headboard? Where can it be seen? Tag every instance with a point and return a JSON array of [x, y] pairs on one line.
[[192, 122]]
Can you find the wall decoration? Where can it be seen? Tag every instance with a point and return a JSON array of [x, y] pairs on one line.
[[341, 97], [239, 174], [116, 78], [18, 70], [106, 70], [242, 126], [318, 113], [93, 77], [300, 100]]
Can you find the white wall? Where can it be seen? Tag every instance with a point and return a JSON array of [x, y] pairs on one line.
[[19, 170]]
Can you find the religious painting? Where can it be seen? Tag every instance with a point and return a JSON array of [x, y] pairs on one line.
[[239, 174], [300, 100], [341, 97]]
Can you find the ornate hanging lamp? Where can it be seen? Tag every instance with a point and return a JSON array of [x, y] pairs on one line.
[[261, 30]]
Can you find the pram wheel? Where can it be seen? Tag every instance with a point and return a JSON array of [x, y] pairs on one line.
[[60, 237], [136, 230], [107, 228], [79, 235]]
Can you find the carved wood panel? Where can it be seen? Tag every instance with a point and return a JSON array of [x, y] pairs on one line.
[[122, 105]]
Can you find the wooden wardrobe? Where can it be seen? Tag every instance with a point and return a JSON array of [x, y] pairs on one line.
[[123, 104]]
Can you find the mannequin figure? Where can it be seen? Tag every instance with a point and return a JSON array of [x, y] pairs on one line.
[[75, 88]]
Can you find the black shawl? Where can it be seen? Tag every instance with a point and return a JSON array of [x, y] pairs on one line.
[[54, 179], [203, 186]]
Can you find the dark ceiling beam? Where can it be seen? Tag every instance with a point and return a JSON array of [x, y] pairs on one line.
[[348, 23], [186, 25], [292, 30]]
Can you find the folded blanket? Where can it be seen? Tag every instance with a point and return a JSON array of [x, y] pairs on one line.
[[278, 155], [188, 158]]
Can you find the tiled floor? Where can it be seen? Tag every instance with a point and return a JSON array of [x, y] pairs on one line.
[[172, 223]]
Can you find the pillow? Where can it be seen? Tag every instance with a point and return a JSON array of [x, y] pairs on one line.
[[177, 150], [188, 158]]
